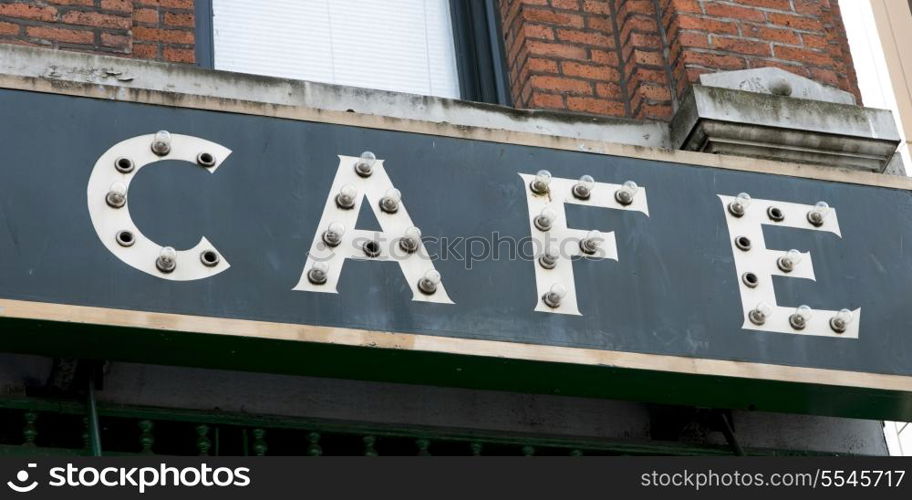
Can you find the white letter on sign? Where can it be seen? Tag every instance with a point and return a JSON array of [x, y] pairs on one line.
[[556, 244], [109, 210], [337, 239], [756, 265]]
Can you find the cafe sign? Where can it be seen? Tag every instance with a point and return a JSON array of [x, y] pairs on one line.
[[259, 237]]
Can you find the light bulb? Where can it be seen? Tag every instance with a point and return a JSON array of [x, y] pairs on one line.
[[117, 195], [545, 219], [554, 295], [411, 240], [818, 214], [625, 194], [548, 259], [161, 143], [541, 182], [429, 282], [318, 273], [760, 313], [346, 196], [739, 205], [583, 188], [789, 261], [365, 164], [390, 201], [590, 244], [840, 322], [800, 318], [333, 234], [167, 260]]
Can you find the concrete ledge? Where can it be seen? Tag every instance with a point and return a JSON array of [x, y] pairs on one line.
[[63, 67], [735, 122]]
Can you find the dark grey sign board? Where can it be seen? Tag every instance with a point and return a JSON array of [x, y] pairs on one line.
[[686, 294]]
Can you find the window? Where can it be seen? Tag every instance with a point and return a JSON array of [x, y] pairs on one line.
[[428, 47]]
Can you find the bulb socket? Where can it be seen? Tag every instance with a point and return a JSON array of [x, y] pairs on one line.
[[551, 300], [736, 208], [427, 286], [623, 196], [371, 248], [797, 321], [538, 187], [750, 280], [125, 238], [165, 265], [775, 214], [316, 276], [389, 205], [363, 168], [542, 223], [205, 160], [332, 239], [124, 165], [785, 264], [838, 325], [344, 202], [581, 191], [210, 258], [409, 245], [743, 243], [115, 200], [547, 262], [815, 218], [589, 246], [756, 317]]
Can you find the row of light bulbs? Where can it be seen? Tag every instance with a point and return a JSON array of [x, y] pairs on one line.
[[389, 203], [582, 190], [816, 216], [116, 198], [786, 263], [800, 318]]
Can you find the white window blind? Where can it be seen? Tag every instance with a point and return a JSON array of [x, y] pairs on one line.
[[400, 45]]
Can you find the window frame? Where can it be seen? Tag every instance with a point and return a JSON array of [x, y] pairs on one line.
[[480, 61]]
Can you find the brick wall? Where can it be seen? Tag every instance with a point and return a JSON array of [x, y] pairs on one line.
[[629, 58], [634, 58], [150, 29]]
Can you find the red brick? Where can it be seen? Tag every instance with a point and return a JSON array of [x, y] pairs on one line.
[[815, 41], [734, 12], [725, 62], [115, 41], [586, 37], [611, 90], [595, 105], [589, 71], [118, 5], [179, 55], [741, 46], [73, 2], [61, 35], [771, 34], [796, 22], [707, 24], [547, 101], [82, 18], [551, 17], [143, 33], [8, 28], [184, 19], [530, 30], [556, 50], [542, 65], [768, 4], [565, 4], [803, 56], [27, 11], [149, 16], [558, 84], [145, 51], [596, 6], [171, 4], [605, 57], [648, 58]]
